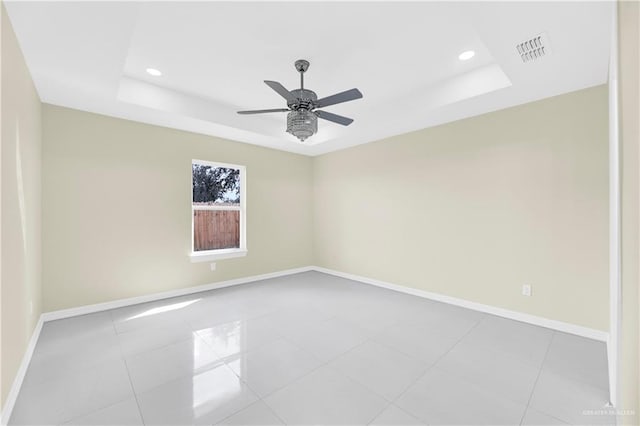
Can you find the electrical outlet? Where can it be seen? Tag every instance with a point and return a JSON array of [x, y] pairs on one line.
[[213, 266], [526, 290]]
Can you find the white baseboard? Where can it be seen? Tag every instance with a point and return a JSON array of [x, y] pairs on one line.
[[518, 316], [89, 309], [17, 382], [505, 313]]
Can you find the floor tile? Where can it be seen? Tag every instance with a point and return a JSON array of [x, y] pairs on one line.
[[51, 399], [124, 413], [578, 358], [256, 302], [143, 340], [71, 355], [72, 344], [393, 415], [426, 341], [207, 315], [381, 369], [202, 399], [525, 342], [155, 309], [186, 358], [536, 418], [272, 366], [257, 414], [325, 397], [79, 393], [440, 398], [61, 331], [236, 337], [428, 311], [491, 369], [293, 319], [327, 339], [153, 314], [372, 314], [317, 349], [570, 401], [231, 304]]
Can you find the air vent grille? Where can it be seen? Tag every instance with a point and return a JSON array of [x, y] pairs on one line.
[[533, 49]]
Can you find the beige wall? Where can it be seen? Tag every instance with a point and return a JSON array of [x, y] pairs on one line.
[[472, 209], [21, 150], [117, 212], [477, 208], [629, 54]]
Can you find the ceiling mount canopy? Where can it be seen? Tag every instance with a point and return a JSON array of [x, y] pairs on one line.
[[302, 120]]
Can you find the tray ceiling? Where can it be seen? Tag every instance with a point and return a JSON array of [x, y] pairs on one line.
[[214, 57]]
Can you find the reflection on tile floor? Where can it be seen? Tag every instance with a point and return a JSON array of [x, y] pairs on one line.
[[309, 349]]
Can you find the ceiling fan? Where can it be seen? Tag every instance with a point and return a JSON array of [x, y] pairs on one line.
[[302, 120]]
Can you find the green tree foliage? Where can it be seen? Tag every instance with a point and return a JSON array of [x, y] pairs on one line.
[[215, 184]]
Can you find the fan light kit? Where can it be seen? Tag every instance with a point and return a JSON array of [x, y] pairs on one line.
[[302, 117]]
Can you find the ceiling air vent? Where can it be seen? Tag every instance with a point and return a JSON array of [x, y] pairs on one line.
[[534, 48]]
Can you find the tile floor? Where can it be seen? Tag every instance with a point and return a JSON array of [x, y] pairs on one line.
[[309, 349]]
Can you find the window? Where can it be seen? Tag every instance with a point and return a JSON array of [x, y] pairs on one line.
[[218, 211]]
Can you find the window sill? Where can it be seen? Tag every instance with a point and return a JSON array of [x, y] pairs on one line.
[[208, 256]]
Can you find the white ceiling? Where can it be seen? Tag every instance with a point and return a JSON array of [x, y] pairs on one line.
[[215, 55]]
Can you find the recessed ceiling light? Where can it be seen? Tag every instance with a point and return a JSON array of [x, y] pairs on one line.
[[466, 55], [154, 72]]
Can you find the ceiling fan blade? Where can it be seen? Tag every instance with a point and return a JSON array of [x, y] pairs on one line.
[[281, 90], [345, 121], [338, 98], [262, 111]]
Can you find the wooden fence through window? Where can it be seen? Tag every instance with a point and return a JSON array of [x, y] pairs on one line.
[[216, 229]]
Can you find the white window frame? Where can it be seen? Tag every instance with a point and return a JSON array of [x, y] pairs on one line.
[[227, 253]]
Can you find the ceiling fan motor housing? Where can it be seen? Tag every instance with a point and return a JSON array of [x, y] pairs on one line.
[[304, 99]]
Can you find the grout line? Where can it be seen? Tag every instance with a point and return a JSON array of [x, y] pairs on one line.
[[372, 340], [432, 366], [389, 404], [135, 395], [533, 389], [272, 410], [172, 342], [259, 397], [122, 358], [80, 416], [113, 323], [280, 336], [342, 375], [409, 414], [126, 366], [321, 365]]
